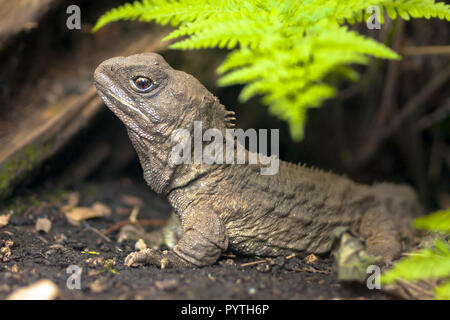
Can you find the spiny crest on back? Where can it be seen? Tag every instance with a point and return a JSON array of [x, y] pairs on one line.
[[229, 119]]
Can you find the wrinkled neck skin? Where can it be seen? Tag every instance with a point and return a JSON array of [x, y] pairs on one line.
[[154, 143]]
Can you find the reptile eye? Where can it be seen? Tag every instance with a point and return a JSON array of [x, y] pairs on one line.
[[142, 84]]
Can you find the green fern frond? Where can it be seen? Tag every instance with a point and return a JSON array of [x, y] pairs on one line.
[[283, 50], [416, 9], [427, 263], [353, 11], [443, 291], [165, 12], [438, 221]]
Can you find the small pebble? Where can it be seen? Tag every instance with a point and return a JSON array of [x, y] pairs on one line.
[[41, 290], [166, 284], [252, 291]]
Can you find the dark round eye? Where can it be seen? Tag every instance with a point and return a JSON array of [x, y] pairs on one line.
[[142, 84]]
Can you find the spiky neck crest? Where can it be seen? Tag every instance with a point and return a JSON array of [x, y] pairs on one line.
[[160, 173], [213, 114]]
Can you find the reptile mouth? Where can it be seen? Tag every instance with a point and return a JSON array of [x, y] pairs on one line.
[[122, 106], [123, 116]]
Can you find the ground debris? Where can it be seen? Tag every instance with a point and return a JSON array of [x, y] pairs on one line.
[[15, 268], [41, 290], [409, 290], [249, 264], [69, 245], [310, 259], [43, 224], [310, 269], [4, 219], [98, 285], [76, 215], [264, 267], [110, 264], [227, 262], [72, 201], [60, 238], [95, 262], [166, 284], [5, 251]]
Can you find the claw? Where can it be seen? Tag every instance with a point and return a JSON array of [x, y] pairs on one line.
[[162, 259], [135, 259]]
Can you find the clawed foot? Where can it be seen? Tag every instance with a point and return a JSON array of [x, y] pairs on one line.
[[352, 259], [163, 259], [148, 256]]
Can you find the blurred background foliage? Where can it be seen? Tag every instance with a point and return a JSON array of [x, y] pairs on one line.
[[282, 50]]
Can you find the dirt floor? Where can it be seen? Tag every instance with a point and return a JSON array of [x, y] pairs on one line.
[[36, 255]]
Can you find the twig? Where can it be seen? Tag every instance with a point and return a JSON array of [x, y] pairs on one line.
[[228, 255], [426, 50], [134, 213], [435, 117], [409, 109], [387, 103], [248, 264], [310, 269], [349, 92], [424, 291], [412, 106], [99, 233]]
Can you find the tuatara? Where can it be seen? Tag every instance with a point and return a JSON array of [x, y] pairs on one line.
[[233, 206]]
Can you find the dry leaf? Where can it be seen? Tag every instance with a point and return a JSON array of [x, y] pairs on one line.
[[4, 219], [76, 215], [41, 290], [311, 259], [72, 202], [43, 224]]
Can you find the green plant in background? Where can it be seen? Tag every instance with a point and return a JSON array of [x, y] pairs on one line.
[[282, 49], [428, 263]]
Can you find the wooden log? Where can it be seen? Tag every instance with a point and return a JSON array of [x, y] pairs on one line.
[[20, 15], [49, 111]]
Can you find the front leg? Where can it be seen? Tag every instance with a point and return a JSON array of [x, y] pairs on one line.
[[203, 240]]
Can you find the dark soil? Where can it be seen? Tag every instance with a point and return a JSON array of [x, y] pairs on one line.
[[36, 255]]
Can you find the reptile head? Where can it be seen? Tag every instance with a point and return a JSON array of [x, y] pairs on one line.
[[153, 100], [150, 97]]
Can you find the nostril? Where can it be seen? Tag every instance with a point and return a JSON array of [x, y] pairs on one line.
[[111, 67]]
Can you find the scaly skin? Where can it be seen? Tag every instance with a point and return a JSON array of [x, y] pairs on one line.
[[234, 207]]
